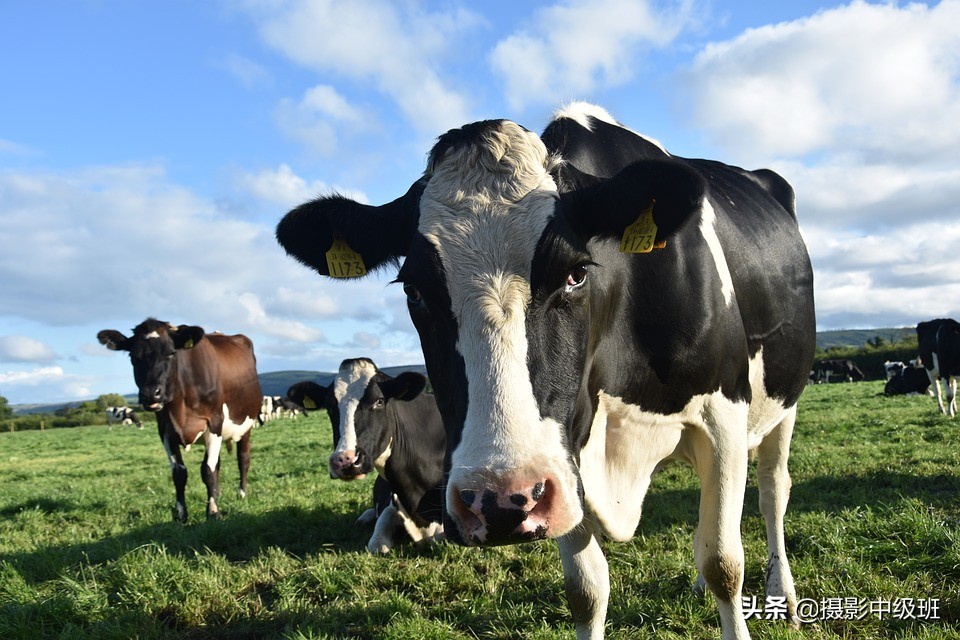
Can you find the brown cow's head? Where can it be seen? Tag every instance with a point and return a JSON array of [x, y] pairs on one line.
[[153, 350]]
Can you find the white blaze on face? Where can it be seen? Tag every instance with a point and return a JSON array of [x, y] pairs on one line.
[[351, 383], [484, 214]]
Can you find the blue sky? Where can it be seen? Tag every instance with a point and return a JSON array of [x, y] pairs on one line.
[[147, 151]]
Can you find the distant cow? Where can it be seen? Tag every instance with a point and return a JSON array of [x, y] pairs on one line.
[[893, 368], [200, 385], [590, 307], [907, 381], [939, 342], [123, 415], [391, 425], [842, 369]]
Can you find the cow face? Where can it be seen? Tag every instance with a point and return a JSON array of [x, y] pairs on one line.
[[358, 404], [153, 352], [505, 281]]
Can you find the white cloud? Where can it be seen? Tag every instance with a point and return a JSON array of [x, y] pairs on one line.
[[249, 73], [875, 79], [396, 46], [578, 46], [25, 349], [319, 119]]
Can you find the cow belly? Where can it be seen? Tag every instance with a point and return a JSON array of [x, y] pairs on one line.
[[625, 446], [234, 430]]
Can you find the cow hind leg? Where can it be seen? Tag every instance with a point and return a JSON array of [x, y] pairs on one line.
[[586, 580], [773, 480], [210, 472], [243, 463], [721, 464], [952, 396]]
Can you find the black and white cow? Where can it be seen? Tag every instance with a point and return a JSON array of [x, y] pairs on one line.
[[840, 369], [388, 424], [892, 368], [123, 415], [907, 381], [589, 307], [939, 342]]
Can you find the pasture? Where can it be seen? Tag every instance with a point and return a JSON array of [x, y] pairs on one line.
[[88, 548]]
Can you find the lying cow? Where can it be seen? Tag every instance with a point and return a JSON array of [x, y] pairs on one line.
[[590, 306], [907, 381], [123, 415], [200, 385], [939, 343], [390, 425]]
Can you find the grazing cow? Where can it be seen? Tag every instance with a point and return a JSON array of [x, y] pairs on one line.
[[589, 307], [388, 424], [123, 415], [200, 385], [845, 370], [939, 342], [907, 381], [266, 409]]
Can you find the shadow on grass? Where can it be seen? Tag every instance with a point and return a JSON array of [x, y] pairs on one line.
[[237, 537], [823, 494]]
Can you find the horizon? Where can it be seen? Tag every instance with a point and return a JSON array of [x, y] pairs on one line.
[[148, 150]]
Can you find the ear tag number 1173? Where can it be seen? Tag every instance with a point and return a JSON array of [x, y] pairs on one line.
[[344, 262]]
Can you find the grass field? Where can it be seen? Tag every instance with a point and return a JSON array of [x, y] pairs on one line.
[[88, 548]]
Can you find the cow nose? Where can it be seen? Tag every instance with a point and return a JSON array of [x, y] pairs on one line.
[[346, 465], [503, 514]]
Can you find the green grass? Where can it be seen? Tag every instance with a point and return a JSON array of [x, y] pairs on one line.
[[88, 548]]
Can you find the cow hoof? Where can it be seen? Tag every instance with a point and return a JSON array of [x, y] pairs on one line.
[[180, 514], [242, 494], [213, 515]]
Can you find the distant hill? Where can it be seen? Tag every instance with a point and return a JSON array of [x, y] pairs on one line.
[[274, 383], [858, 337]]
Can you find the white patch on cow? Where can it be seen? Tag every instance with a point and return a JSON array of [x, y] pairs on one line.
[[581, 112], [484, 210], [351, 383], [708, 220], [212, 442], [171, 458], [234, 431], [628, 445], [152, 335], [381, 462], [396, 516]]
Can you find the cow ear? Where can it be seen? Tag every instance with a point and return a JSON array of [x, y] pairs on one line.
[[669, 191], [186, 336], [308, 395], [342, 238], [406, 386], [113, 340]]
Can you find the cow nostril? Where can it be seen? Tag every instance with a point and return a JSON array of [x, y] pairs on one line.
[[518, 499], [538, 491], [467, 497]]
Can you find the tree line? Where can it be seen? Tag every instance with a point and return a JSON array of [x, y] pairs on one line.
[[80, 414]]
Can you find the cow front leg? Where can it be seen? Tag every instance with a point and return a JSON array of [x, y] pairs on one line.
[[178, 472], [773, 480], [382, 540], [952, 396], [586, 580], [243, 463], [720, 459], [210, 471]]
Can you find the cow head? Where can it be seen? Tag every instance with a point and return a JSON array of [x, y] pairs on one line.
[[357, 402], [153, 352], [508, 283]]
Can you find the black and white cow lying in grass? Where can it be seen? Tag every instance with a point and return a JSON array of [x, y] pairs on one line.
[[393, 426]]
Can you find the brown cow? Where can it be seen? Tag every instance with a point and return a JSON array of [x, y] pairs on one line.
[[199, 385]]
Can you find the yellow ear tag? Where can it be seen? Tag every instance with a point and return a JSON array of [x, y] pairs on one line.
[[641, 236], [344, 262], [188, 344], [308, 403]]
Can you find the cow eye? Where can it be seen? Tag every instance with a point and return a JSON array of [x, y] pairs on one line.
[[378, 403], [576, 277], [413, 294]]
